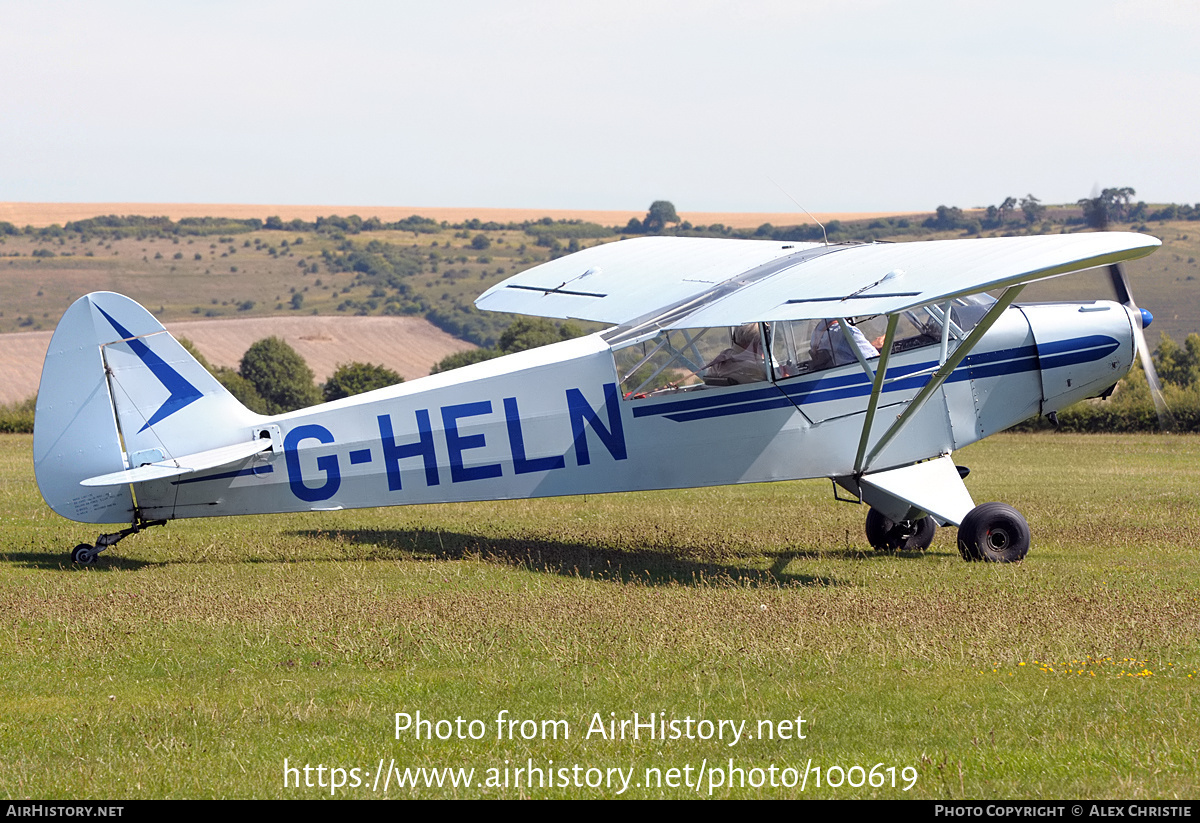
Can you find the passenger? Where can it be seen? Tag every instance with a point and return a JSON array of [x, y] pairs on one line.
[[742, 362], [829, 347]]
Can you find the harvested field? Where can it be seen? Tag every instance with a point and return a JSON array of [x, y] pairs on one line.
[[410, 346], [45, 214]]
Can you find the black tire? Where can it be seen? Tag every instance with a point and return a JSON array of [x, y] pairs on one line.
[[84, 554], [993, 533], [910, 536]]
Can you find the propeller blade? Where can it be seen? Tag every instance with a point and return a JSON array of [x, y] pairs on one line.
[[1121, 285], [1166, 421]]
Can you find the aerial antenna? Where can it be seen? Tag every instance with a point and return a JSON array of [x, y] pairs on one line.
[[806, 211]]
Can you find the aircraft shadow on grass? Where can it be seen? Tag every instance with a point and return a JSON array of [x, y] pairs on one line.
[[568, 559], [55, 560], [682, 565]]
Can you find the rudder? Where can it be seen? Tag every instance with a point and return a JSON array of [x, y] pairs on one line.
[[118, 391]]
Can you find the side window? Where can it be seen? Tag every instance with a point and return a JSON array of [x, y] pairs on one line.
[[805, 346], [681, 360], [916, 329], [966, 312]]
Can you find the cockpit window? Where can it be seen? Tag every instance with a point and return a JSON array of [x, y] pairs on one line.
[[681, 360], [966, 312], [805, 346]]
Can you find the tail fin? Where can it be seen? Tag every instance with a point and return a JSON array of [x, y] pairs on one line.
[[117, 392]]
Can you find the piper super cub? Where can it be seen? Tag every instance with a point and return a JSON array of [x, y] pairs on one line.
[[726, 361]]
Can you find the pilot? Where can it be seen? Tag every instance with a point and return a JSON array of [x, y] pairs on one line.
[[829, 347], [742, 362]]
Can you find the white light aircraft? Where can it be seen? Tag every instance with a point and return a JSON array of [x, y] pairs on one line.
[[727, 361]]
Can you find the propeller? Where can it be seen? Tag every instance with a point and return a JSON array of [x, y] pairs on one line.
[[1120, 283]]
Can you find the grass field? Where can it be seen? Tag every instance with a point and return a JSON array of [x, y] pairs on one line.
[[197, 658]]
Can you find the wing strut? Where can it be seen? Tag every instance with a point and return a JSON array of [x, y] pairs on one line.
[[876, 390], [844, 324], [947, 368]]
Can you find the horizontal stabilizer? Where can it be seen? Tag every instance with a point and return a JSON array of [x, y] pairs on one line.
[[933, 486], [200, 461]]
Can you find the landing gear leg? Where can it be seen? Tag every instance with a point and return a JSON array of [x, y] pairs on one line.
[[85, 555]]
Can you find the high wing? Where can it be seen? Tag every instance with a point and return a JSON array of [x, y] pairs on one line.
[[699, 282], [615, 282]]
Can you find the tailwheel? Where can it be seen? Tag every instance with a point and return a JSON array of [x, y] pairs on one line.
[[85, 554], [995, 533], [886, 535]]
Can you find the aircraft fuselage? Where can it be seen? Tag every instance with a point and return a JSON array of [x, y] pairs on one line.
[[552, 421]]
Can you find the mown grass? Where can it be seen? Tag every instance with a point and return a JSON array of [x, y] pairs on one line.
[[194, 659]]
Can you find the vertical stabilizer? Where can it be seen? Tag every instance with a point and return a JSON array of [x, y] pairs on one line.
[[118, 391]]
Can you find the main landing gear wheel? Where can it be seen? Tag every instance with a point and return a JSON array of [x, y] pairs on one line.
[[84, 554], [995, 533], [888, 536]]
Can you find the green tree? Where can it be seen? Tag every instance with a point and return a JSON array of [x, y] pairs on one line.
[[1120, 200], [1032, 208], [349, 379], [463, 358], [531, 332], [280, 375], [1111, 204], [661, 213], [1178, 365], [242, 389], [480, 242], [191, 349], [234, 383], [947, 217], [522, 334], [527, 333], [1005, 208]]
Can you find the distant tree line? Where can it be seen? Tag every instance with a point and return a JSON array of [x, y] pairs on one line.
[[1112, 205]]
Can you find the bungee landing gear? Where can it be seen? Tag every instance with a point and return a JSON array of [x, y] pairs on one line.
[[85, 554]]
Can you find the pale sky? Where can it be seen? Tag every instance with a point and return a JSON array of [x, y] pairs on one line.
[[850, 105]]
